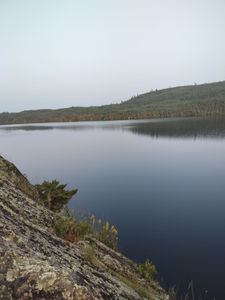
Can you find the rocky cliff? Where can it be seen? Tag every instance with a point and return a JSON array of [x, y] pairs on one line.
[[36, 264]]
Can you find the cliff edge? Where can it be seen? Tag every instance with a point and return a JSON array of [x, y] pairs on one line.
[[36, 264]]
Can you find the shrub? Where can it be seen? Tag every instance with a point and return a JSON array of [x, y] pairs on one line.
[[147, 270], [69, 229], [102, 231], [54, 195]]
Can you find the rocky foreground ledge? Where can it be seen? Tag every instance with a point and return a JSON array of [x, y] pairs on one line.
[[36, 264]]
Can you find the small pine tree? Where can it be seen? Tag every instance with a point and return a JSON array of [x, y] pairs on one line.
[[54, 195]]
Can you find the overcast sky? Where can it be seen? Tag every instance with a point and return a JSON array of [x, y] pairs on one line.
[[60, 53]]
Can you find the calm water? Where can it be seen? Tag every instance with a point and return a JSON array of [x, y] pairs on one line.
[[161, 182]]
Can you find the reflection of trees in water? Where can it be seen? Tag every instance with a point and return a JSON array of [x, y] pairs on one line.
[[181, 128], [43, 127], [191, 127]]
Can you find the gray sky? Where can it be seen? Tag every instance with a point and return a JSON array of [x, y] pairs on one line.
[[60, 53]]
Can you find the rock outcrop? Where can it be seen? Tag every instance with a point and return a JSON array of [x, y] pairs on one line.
[[36, 264]]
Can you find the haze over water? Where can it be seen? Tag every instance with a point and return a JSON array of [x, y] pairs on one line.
[[161, 182]]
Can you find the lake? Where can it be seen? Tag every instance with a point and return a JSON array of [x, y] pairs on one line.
[[161, 182]]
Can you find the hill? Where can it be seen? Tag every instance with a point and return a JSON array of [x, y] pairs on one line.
[[184, 101]]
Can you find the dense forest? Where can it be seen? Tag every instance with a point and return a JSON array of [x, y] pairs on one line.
[[185, 101]]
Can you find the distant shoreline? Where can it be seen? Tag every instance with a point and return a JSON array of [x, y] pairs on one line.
[[206, 100]]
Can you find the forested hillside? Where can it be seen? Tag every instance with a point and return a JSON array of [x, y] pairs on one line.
[[185, 101]]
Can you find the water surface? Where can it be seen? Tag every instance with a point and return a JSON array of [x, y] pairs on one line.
[[162, 182]]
